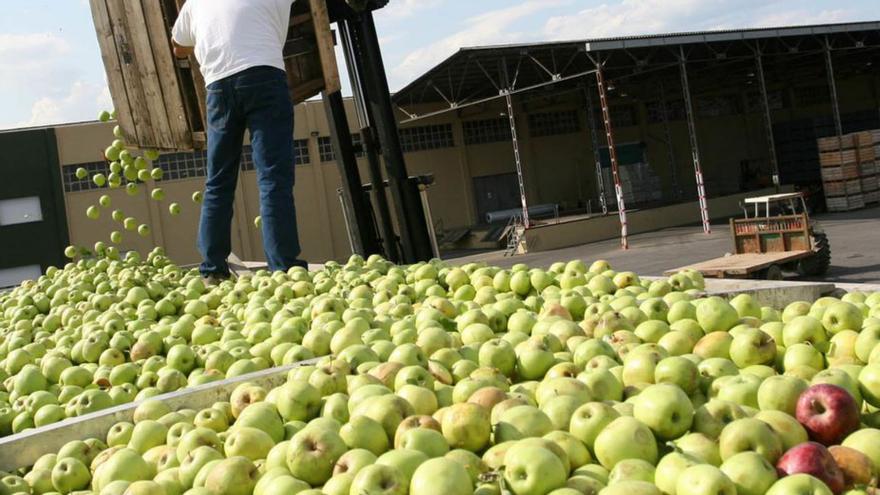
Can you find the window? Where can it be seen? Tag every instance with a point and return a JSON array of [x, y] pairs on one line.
[[621, 116], [426, 137], [72, 184], [486, 131], [554, 123], [812, 95], [20, 210], [325, 149], [179, 166], [717, 106], [755, 104], [301, 152], [247, 159], [358, 142], [674, 111]]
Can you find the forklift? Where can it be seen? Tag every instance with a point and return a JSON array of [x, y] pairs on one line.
[[776, 235]]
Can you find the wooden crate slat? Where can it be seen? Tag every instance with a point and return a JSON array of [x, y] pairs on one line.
[[146, 69], [146, 137], [171, 93], [326, 50], [110, 57]]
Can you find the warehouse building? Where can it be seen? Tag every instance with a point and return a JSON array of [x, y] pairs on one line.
[[507, 126]]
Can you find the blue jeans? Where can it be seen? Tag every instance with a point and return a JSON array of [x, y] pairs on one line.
[[255, 99]]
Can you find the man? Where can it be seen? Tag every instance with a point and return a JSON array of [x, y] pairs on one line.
[[238, 44]]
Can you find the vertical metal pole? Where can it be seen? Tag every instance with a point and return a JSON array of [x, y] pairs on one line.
[[695, 148], [612, 154], [368, 140], [518, 160], [835, 109], [670, 149], [345, 217], [414, 236], [597, 157], [768, 120], [429, 219], [360, 224]]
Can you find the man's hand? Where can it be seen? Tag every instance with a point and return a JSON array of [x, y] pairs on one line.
[[182, 51]]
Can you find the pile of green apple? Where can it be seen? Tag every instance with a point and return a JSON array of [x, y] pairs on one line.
[[448, 380], [106, 331]]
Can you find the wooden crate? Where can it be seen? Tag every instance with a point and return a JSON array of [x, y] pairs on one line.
[[160, 100], [872, 197], [843, 188], [842, 172], [832, 143], [837, 158], [870, 183], [845, 203], [868, 168]]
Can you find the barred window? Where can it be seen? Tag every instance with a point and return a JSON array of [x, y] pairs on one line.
[[554, 123], [717, 106], [325, 149], [247, 159], [301, 152], [358, 143], [674, 111], [72, 184], [486, 131], [426, 137], [812, 95], [179, 166]]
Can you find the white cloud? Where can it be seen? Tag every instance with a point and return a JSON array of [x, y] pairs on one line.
[[81, 99], [492, 27], [632, 17]]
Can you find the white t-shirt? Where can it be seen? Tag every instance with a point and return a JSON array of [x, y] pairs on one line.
[[230, 36]]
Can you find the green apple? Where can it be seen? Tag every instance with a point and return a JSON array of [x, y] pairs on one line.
[[669, 469], [715, 314], [589, 420], [313, 453], [440, 476], [625, 438], [790, 432], [174, 209], [866, 441], [232, 476], [380, 479], [704, 479], [804, 329], [749, 434], [752, 347], [533, 470], [800, 483], [70, 474], [780, 393], [405, 461], [750, 472], [840, 316], [665, 409]]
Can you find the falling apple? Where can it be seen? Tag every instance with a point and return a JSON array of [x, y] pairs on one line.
[[93, 212], [143, 230], [197, 197], [99, 180], [81, 173], [156, 173], [157, 194], [174, 209], [131, 189], [104, 200]]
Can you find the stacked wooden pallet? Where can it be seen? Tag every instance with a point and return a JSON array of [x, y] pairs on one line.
[[849, 170]]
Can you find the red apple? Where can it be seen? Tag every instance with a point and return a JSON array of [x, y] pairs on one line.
[[828, 412], [814, 459]]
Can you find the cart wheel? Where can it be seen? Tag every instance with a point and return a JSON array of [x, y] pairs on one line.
[[818, 263], [774, 272]]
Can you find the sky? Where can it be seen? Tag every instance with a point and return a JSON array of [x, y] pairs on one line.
[[51, 70]]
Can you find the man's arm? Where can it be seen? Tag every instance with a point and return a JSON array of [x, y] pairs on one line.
[[181, 51], [182, 39]]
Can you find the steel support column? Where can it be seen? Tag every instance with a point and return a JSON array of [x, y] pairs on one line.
[[835, 106], [414, 238], [670, 149], [612, 154], [361, 228], [517, 160], [597, 157], [768, 120], [389, 238], [832, 87], [695, 147]]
